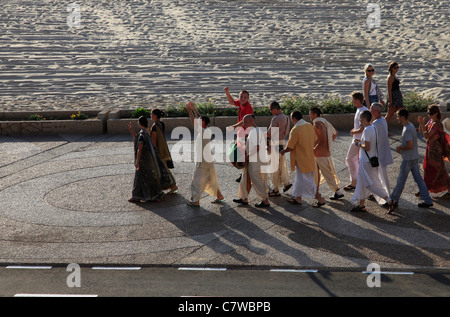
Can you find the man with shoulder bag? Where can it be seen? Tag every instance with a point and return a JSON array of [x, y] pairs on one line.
[[368, 181]]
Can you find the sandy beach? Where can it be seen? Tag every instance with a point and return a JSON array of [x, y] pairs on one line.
[[125, 54]]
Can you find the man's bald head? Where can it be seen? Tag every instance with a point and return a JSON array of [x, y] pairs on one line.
[[249, 120]]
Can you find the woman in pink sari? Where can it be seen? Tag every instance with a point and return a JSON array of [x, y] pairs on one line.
[[435, 174]]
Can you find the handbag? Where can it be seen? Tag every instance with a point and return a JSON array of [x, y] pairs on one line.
[[374, 159], [235, 156]]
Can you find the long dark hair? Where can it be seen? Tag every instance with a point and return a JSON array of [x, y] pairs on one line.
[[158, 113], [434, 109], [143, 121], [392, 65]]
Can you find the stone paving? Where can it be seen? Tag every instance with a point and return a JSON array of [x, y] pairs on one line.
[[64, 198]]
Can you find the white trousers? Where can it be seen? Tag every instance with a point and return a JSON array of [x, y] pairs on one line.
[[369, 182], [281, 176], [327, 172], [383, 171], [258, 180], [204, 180], [304, 184], [352, 161]]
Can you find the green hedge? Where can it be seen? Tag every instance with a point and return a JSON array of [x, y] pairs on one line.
[[413, 101]]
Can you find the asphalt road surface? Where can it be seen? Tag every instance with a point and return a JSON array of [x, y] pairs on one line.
[[217, 282]]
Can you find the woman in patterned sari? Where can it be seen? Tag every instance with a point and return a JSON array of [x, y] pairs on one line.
[[159, 141], [435, 174], [151, 174]]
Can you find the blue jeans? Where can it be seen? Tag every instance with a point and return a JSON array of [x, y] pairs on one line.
[[372, 99], [413, 167]]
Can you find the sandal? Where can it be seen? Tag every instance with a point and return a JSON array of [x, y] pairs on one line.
[[358, 209], [218, 201], [349, 187], [293, 201], [318, 204], [392, 205], [191, 204], [262, 205], [240, 201], [286, 188], [274, 193]]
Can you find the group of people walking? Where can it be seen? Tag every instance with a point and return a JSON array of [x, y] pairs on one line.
[[372, 177], [310, 147], [370, 129]]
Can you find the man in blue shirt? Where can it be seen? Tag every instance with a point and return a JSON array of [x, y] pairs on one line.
[[410, 163]]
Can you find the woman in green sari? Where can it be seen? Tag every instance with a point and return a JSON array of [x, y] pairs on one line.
[[160, 143], [151, 175]]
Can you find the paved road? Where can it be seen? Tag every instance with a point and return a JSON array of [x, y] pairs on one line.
[[217, 282]]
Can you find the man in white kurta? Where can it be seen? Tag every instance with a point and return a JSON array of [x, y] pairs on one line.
[[205, 176], [256, 169], [368, 181], [383, 145], [352, 159]]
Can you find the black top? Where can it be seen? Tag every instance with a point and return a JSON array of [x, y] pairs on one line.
[[396, 84]]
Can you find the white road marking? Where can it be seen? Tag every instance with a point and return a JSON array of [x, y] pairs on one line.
[[293, 271], [116, 268], [29, 267], [55, 295], [201, 269], [387, 272]]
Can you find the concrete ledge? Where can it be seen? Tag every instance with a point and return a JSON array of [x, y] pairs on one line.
[[119, 120], [17, 123]]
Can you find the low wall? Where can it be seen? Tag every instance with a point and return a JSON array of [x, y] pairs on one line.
[[17, 123], [119, 120]]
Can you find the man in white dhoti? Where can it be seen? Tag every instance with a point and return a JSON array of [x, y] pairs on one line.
[[301, 148], [205, 176], [383, 146], [368, 181], [325, 171], [276, 135], [256, 154]]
